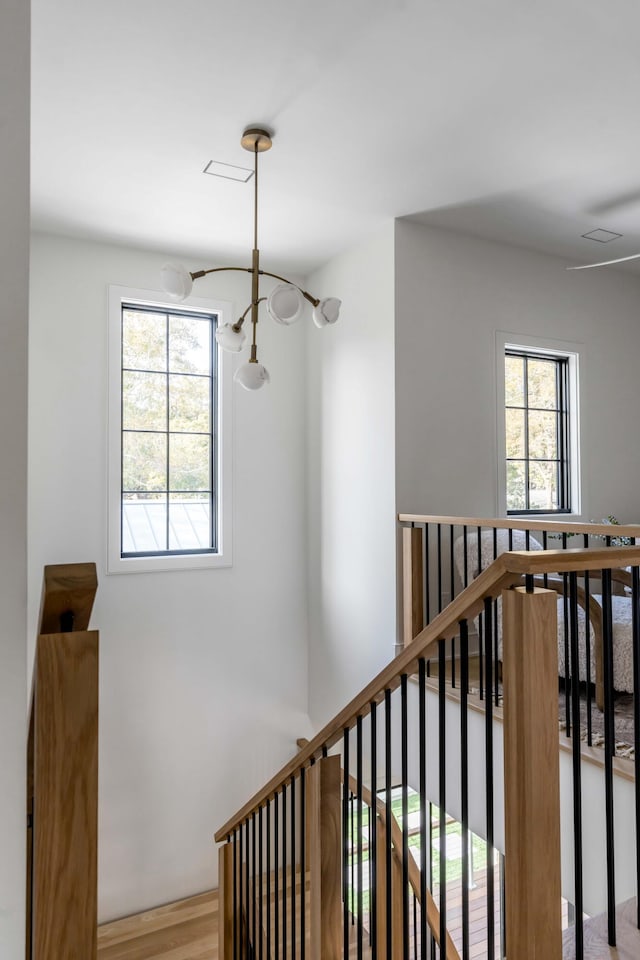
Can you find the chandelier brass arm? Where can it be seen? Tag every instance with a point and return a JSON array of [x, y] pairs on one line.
[[196, 274], [237, 326]]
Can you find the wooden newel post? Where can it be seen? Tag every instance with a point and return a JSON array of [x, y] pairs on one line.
[[62, 771], [225, 902], [65, 803], [325, 859], [412, 584], [531, 775]]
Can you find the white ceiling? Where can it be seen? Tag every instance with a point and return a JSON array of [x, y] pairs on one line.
[[506, 118]]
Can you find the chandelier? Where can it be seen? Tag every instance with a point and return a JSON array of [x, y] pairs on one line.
[[284, 304]]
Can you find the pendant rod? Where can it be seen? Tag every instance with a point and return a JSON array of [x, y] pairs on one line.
[[255, 199], [255, 278]]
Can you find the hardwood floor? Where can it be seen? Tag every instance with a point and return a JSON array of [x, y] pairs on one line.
[[188, 930]]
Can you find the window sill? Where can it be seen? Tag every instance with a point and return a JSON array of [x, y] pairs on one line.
[[169, 564]]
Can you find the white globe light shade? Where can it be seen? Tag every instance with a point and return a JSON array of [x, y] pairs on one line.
[[176, 281], [327, 311], [230, 339], [285, 303], [252, 376]]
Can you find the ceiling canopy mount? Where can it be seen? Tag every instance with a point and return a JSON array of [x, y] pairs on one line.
[[256, 139]]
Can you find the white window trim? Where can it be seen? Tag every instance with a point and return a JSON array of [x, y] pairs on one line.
[[116, 564], [574, 352]]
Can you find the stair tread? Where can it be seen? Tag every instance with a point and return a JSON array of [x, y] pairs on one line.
[[596, 945]]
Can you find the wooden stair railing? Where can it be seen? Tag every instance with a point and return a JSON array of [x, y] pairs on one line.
[[531, 775], [62, 771], [417, 556]]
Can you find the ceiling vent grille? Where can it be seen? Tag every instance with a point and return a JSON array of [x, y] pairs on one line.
[[601, 236], [228, 171]]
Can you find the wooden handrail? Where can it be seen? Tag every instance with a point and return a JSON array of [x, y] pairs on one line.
[[516, 523], [68, 591], [504, 572]]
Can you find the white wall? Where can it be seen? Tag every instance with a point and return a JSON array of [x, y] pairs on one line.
[[14, 283], [453, 292], [203, 684], [351, 477]]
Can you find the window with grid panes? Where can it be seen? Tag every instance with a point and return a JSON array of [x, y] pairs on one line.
[[537, 432], [165, 404], [168, 436]]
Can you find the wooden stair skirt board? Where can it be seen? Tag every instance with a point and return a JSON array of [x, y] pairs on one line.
[[596, 946], [185, 930]]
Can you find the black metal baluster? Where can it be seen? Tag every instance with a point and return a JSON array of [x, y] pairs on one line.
[[496, 657], [439, 541], [353, 861], [422, 746], [567, 667], [452, 592], [388, 815], [293, 866], [609, 748], [464, 781], [427, 578], [527, 539], [261, 885], [431, 937], [635, 621], [577, 782], [587, 640], [465, 546], [491, 909], [276, 878], [503, 909], [415, 927], [284, 872], [248, 901], [268, 845], [453, 662], [235, 895], [545, 540], [359, 823], [370, 814], [303, 862], [404, 727], [495, 639], [345, 842], [373, 834], [480, 626], [442, 773], [253, 881], [241, 931]]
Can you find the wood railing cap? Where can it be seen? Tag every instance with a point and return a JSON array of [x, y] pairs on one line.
[[557, 527], [566, 561], [507, 570], [68, 588]]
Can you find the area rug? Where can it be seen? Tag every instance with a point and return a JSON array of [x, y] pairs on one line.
[[623, 718]]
